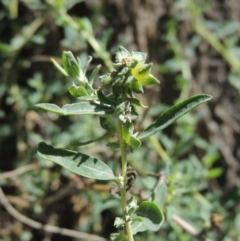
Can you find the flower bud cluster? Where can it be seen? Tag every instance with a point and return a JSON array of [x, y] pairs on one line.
[[130, 73]]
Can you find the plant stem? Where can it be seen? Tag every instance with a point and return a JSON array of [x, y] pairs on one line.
[[123, 188], [159, 149]]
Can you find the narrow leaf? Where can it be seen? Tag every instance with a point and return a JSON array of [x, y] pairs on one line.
[[70, 64], [79, 143], [93, 74], [104, 99], [135, 101], [151, 215], [88, 98], [150, 80], [76, 108], [76, 162], [59, 67], [173, 113]]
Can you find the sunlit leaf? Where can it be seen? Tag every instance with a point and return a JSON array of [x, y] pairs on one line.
[[173, 113], [59, 67], [137, 225], [70, 64], [76, 162], [78, 91], [151, 215], [93, 74], [80, 108]]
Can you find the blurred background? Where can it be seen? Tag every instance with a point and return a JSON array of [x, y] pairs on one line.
[[194, 46]]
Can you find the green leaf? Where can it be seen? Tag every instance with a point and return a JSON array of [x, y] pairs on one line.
[[117, 237], [104, 99], [88, 98], [106, 124], [145, 68], [173, 113], [70, 64], [234, 80], [113, 145], [139, 56], [136, 86], [118, 81], [83, 143], [86, 66], [121, 53], [136, 102], [127, 130], [151, 215], [210, 159], [106, 80], [137, 225], [93, 74], [78, 91], [59, 67], [81, 108], [123, 71], [76, 162], [214, 173], [133, 142], [150, 80], [86, 25], [131, 205], [119, 222], [160, 194]]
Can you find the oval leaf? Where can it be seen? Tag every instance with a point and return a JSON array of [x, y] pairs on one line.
[[173, 113], [77, 91], [151, 215], [76, 108], [160, 194], [76, 162], [137, 225]]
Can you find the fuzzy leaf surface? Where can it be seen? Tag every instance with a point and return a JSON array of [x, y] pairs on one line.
[[151, 215], [160, 194], [81, 108], [173, 113], [76, 162]]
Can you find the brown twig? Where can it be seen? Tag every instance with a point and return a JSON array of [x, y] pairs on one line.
[[189, 228], [46, 228]]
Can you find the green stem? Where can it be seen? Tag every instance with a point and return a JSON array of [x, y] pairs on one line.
[[159, 149], [124, 175]]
